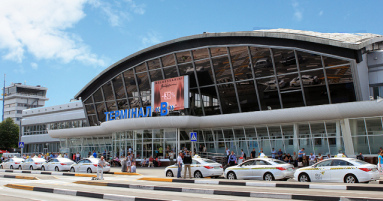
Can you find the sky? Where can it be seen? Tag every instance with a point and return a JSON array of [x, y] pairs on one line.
[[64, 44]]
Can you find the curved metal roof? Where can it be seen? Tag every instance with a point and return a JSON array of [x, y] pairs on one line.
[[354, 41]]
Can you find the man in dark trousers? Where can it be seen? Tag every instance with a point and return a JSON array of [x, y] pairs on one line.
[[253, 153], [187, 162], [232, 159]]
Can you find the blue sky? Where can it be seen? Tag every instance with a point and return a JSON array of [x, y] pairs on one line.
[[63, 44]]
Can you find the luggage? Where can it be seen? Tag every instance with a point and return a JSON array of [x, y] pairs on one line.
[[123, 166]]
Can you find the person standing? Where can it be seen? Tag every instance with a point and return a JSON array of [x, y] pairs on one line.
[[171, 157], [273, 152], [77, 156], [187, 162], [128, 163], [300, 157], [179, 164], [243, 154], [151, 159], [94, 154], [312, 159], [100, 168], [252, 154], [380, 161], [280, 154], [227, 153], [232, 159]]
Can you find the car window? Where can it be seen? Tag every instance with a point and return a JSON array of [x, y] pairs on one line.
[[51, 160], [278, 161], [80, 162], [208, 160], [324, 163], [359, 162], [260, 162], [55, 160], [195, 162], [341, 163], [247, 163], [10, 160]]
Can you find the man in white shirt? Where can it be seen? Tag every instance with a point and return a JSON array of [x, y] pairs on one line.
[[100, 168], [311, 159], [171, 157], [77, 156], [179, 164]]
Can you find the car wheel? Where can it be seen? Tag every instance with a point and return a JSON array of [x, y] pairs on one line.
[[42, 168], [169, 173], [89, 170], [198, 174], [11, 167], [350, 179], [31, 168], [57, 169], [268, 177], [231, 175], [304, 178], [72, 169]]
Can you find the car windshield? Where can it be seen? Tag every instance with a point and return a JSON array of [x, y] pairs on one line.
[[39, 160], [278, 161], [359, 162], [207, 160], [64, 160], [93, 160]]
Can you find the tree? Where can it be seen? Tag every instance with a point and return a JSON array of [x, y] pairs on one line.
[[9, 134]]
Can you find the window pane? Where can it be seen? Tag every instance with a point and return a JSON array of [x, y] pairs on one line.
[[141, 68], [247, 96], [269, 97], [329, 61], [118, 87], [170, 72], [155, 75], [210, 101], [374, 126], [200, 54], [143, 82], [314, 85], [286, 83], [108, 92], [308, 61], [134, 102], [217, 51], [341, 84], [88, 101], [228, 98], [358, 127], [187, 69], [122, 104], [168, 60], [222, 70], [111, 106], [98, 96], [285, 61], [204, 72], [196, 107], [263, 66], [100, 107], [292, 99], [241, 63], [130, 83], [263, 139], [154, 64], [92, 120], [183, 57], [90, 109]]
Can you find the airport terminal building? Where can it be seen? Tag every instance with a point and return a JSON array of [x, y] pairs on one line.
[[264, 89]]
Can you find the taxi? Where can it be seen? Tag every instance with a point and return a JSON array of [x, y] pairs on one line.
[[12, 163], [88, 165], [261, 168], [34, 163], [200, 167], [338, 169], [57, 164]]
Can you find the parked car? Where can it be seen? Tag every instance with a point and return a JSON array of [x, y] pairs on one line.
[[290, 59], [339, 169], [263, 63], [88, 165], [272, 84], [200, 167], [57, 164], [33, 163], [306, 80], [261, 168], [11, 163]]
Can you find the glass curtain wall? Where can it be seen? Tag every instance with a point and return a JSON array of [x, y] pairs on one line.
[[367, 135]]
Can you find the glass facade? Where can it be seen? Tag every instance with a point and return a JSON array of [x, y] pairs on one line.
[[231, 79], [367, 135]]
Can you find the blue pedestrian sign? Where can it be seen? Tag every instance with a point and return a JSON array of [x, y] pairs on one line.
[[193, 136], [21, 144]]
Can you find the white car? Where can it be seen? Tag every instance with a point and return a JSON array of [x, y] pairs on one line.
[[261, 168], [306, 80], [272, 84], [12, 163], [57, 164], [200, 167], [88, 165], [32, 163], [340, 169]]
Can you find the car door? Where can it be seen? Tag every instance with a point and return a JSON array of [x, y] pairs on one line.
[[339, 168], [6, 164], [25, 164], [245, 170], [320, 172], [260, 168], [84, 165], [196, 166]]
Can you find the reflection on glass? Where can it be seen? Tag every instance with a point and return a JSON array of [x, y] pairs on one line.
[[217, 51], [292, 99], [100, 108], [210, 100], [144, 84], [141, 68], [195, 100], [247, 96], [90, 109], [145, 97], [98, 96], [329, 61], [168, 60], [170, 72], [262, 63], [269, 97], [155, 75], [134, 102], [123, 104], [341, 84], [200, 54], [92, 120], [154, 64], [183, 57], [286, 82], [264, 140], [241, 63], [228, 98], [118, 87], [111, 106], [108, 92], [309, 61], [314, 85], [130, 83], [204, 72], [187, 69], [285, 61], [89, 100], [222, 70]]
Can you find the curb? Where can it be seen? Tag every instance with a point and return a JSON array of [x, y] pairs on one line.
[[232, 193], [267, 184], [80, 193], [19, 177], [64, 173]]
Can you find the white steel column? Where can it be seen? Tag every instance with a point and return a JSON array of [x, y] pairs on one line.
[[295, 139], [347, 139], [338, 138]]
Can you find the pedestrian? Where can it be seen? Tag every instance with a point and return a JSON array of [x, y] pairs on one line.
[[252, 154], [179, 164], [360, 157], [143, 162], [151, 159], [280, 153], [312, 159], [320, 157], [261, 154], [232, 159], [100, 168], [77, 156], [123, 164], [94, 154], [380, 161], [171, 157], [300, 157], [243, 154], [129, 163], [227, 153], [187, 162], [273, 152]]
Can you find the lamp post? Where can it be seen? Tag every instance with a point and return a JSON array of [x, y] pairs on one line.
[[20, 134]]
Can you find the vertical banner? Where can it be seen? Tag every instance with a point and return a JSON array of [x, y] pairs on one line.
[[174, 91]]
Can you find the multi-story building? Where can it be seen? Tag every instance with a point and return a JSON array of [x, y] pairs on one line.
[[19, 97]]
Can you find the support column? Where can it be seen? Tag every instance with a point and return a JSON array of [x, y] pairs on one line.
[[295, 139], [347, 139], [338, 138], [178, 141]]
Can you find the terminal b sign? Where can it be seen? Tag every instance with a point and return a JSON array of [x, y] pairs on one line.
[[163, 110]]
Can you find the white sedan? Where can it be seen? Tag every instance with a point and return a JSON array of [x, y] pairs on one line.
[[32, 163], [267, 169], [200, 167], [12, 163], [57, 164], [347, 170], [88, 165]]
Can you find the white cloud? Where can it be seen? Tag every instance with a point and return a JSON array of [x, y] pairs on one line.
[[34, 66], [320, 13], [298, 12], [39, 28], [150, 39]]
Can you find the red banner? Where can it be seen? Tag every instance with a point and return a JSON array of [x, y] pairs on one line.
[[170, 90]]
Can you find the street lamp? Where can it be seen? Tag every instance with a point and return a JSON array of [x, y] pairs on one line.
[[20, 134]]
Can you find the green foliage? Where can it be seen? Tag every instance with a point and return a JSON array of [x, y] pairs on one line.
[[9, 134]]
